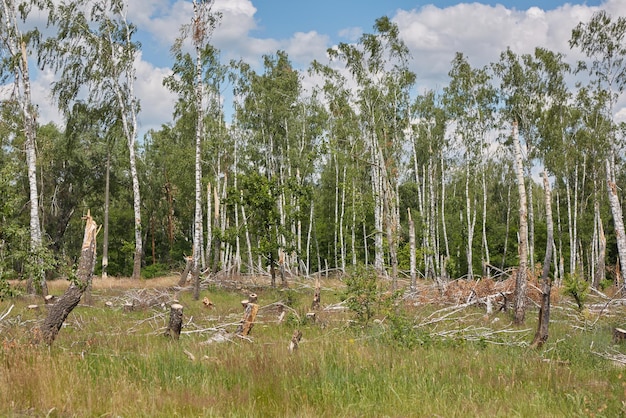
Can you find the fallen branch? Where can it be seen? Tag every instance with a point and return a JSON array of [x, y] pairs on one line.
[[4, 315]]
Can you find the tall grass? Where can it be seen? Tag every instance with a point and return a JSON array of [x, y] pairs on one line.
[[107, 362]]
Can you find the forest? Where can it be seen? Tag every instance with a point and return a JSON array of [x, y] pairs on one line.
[[360, 170]]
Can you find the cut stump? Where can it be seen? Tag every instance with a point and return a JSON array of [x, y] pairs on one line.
[[176, 322]]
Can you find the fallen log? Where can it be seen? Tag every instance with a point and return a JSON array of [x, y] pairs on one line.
[[58, 312]]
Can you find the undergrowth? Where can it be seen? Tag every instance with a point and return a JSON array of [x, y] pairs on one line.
[[386, 358]]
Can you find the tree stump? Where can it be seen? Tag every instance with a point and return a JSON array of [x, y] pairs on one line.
[[176, 321], [249, 316], [619, 335], [295, 340], [317, 296]]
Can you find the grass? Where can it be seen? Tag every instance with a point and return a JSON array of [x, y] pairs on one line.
[[107, 362]]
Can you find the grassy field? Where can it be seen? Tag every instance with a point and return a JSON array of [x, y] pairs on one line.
[[408, 360]]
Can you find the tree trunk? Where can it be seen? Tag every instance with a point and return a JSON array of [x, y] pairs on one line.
[[37, 282], [183, 276], [618, 220], [66, 303], [413, 255], [520, 282], [541, 336], [105, 233]]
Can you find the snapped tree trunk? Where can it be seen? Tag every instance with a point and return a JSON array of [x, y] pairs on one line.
[[58, 312], [541, 336]]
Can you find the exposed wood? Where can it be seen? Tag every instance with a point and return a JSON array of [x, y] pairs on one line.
[[176, 321], [66, 303], [50, 299], [207, 303], [248, 319], [317, 296], [295, 341], [183, 277]]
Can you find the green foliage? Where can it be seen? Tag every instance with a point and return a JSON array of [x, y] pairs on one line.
[[154, 270], [576, 287], [362, 294]]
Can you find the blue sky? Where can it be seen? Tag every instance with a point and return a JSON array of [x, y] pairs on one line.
[[280, 18], [433, 31]]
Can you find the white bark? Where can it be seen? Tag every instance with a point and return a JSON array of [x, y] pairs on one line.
[[14, 44], [520, 283], [618, 219]]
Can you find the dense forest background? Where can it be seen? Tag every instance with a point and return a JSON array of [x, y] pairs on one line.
[[301, 180]]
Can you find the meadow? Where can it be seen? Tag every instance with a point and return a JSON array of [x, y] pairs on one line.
[[400, 359]]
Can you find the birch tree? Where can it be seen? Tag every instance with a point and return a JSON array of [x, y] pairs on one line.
[[200, 29], [15, 45], [601, 39], [95, 55], [379, 66], [470, 101]]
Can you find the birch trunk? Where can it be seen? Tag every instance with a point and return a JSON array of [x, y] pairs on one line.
[[541, 336], [618, 220], [198, 40], [486, 260], [17, 47], [531, 226], [413, 255], [520, 282], [105, 232]]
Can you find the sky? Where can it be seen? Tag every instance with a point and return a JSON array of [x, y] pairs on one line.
[[433, 30]]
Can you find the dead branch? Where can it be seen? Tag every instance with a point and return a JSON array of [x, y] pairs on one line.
[[4, 315]]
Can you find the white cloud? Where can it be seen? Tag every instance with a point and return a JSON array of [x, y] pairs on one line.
[[157, 102], [432, 34]]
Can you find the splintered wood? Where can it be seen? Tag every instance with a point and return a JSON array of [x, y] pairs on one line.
[[251, 309], [59, 311]]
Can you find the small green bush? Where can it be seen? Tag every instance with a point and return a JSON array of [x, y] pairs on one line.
[[577, 288]]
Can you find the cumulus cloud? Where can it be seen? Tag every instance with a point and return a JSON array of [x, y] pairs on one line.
[[433, 35]]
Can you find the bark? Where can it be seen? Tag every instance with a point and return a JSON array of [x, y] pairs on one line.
[[618, 220], [198, 41], [183, 276], [413, 256], [520, 282], [487, 259], [105, 232], [317, 296], [541, 336], [176, 322], [70, 299], [17, 47]]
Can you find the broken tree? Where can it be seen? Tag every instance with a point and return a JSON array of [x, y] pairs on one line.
[[79, 283]]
